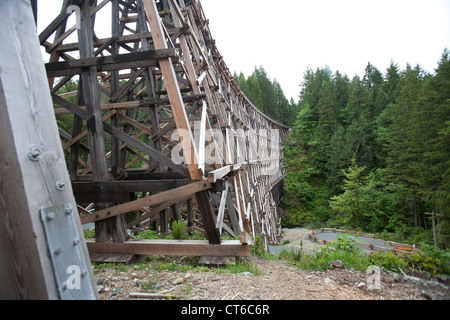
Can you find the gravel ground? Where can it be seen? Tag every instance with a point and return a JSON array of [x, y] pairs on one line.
[[276, 280]]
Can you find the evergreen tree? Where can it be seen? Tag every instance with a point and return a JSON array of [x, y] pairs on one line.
[[392, 79], [339, 156], [353, 202], [360, 132]]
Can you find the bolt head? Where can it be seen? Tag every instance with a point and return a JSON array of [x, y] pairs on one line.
[[50, 216], [34, 154], [60, 185]]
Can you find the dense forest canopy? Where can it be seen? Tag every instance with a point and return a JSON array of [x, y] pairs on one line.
[[370, 153]]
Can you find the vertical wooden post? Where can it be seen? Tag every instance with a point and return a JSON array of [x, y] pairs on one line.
[[113, 227], [91, 96], [33, 174]]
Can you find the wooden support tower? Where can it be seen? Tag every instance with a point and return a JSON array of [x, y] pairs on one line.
[[158, 130], [42, 248]]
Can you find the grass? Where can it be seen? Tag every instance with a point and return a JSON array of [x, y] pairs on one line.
[[240, 267], [346, 250], [430, 261]]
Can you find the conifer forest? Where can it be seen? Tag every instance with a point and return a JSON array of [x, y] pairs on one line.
[[368, 153]]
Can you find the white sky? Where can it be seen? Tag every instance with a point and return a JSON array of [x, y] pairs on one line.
[[287, 36]]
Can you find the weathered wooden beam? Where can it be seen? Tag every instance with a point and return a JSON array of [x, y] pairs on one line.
[[173, 90], [186, 190], [127, 104], [189, 149], [127, 186], [151, 212], [228, 248], [33, 174], [123, 39], [55, 24], [108, 63], [217, 174]]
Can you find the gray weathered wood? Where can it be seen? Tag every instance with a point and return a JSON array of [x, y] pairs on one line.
[[27, 180]]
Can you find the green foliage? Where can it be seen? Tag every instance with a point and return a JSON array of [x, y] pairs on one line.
[[179, 229], [148, 234], [373, 150], [89, 233], [267, 96], [344, 249], [258, 249], [240, 267], [388, 260]]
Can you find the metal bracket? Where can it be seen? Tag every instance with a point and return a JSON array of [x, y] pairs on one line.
[[66, 253]]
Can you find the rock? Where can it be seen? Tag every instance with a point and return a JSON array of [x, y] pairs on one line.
[[100, 281], [178, 281], [187, 275], [116, 292], [425, 294], [100, 289], [337, 264], [155, 285], [328, 281], [360, 285]]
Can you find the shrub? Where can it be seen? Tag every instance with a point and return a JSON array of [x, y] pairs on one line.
[[147, 234], [178, 229], [344, 249], [388, 260]]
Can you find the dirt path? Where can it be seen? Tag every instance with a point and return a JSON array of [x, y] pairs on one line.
[[276, 281], [298, 238]]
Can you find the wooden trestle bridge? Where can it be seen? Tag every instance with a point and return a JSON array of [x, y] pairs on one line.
[[157, 130]]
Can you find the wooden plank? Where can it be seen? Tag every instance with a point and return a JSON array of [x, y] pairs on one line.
[[221, 212], [127, 104], [201, 142], [27, 181], [187, 190], [148, 214], [108, 63], [173, 90], [91, 97], [232, 215], [55, 24], [228, 248], [128, 186], [204, 204], [123, 39], [213, 176]]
